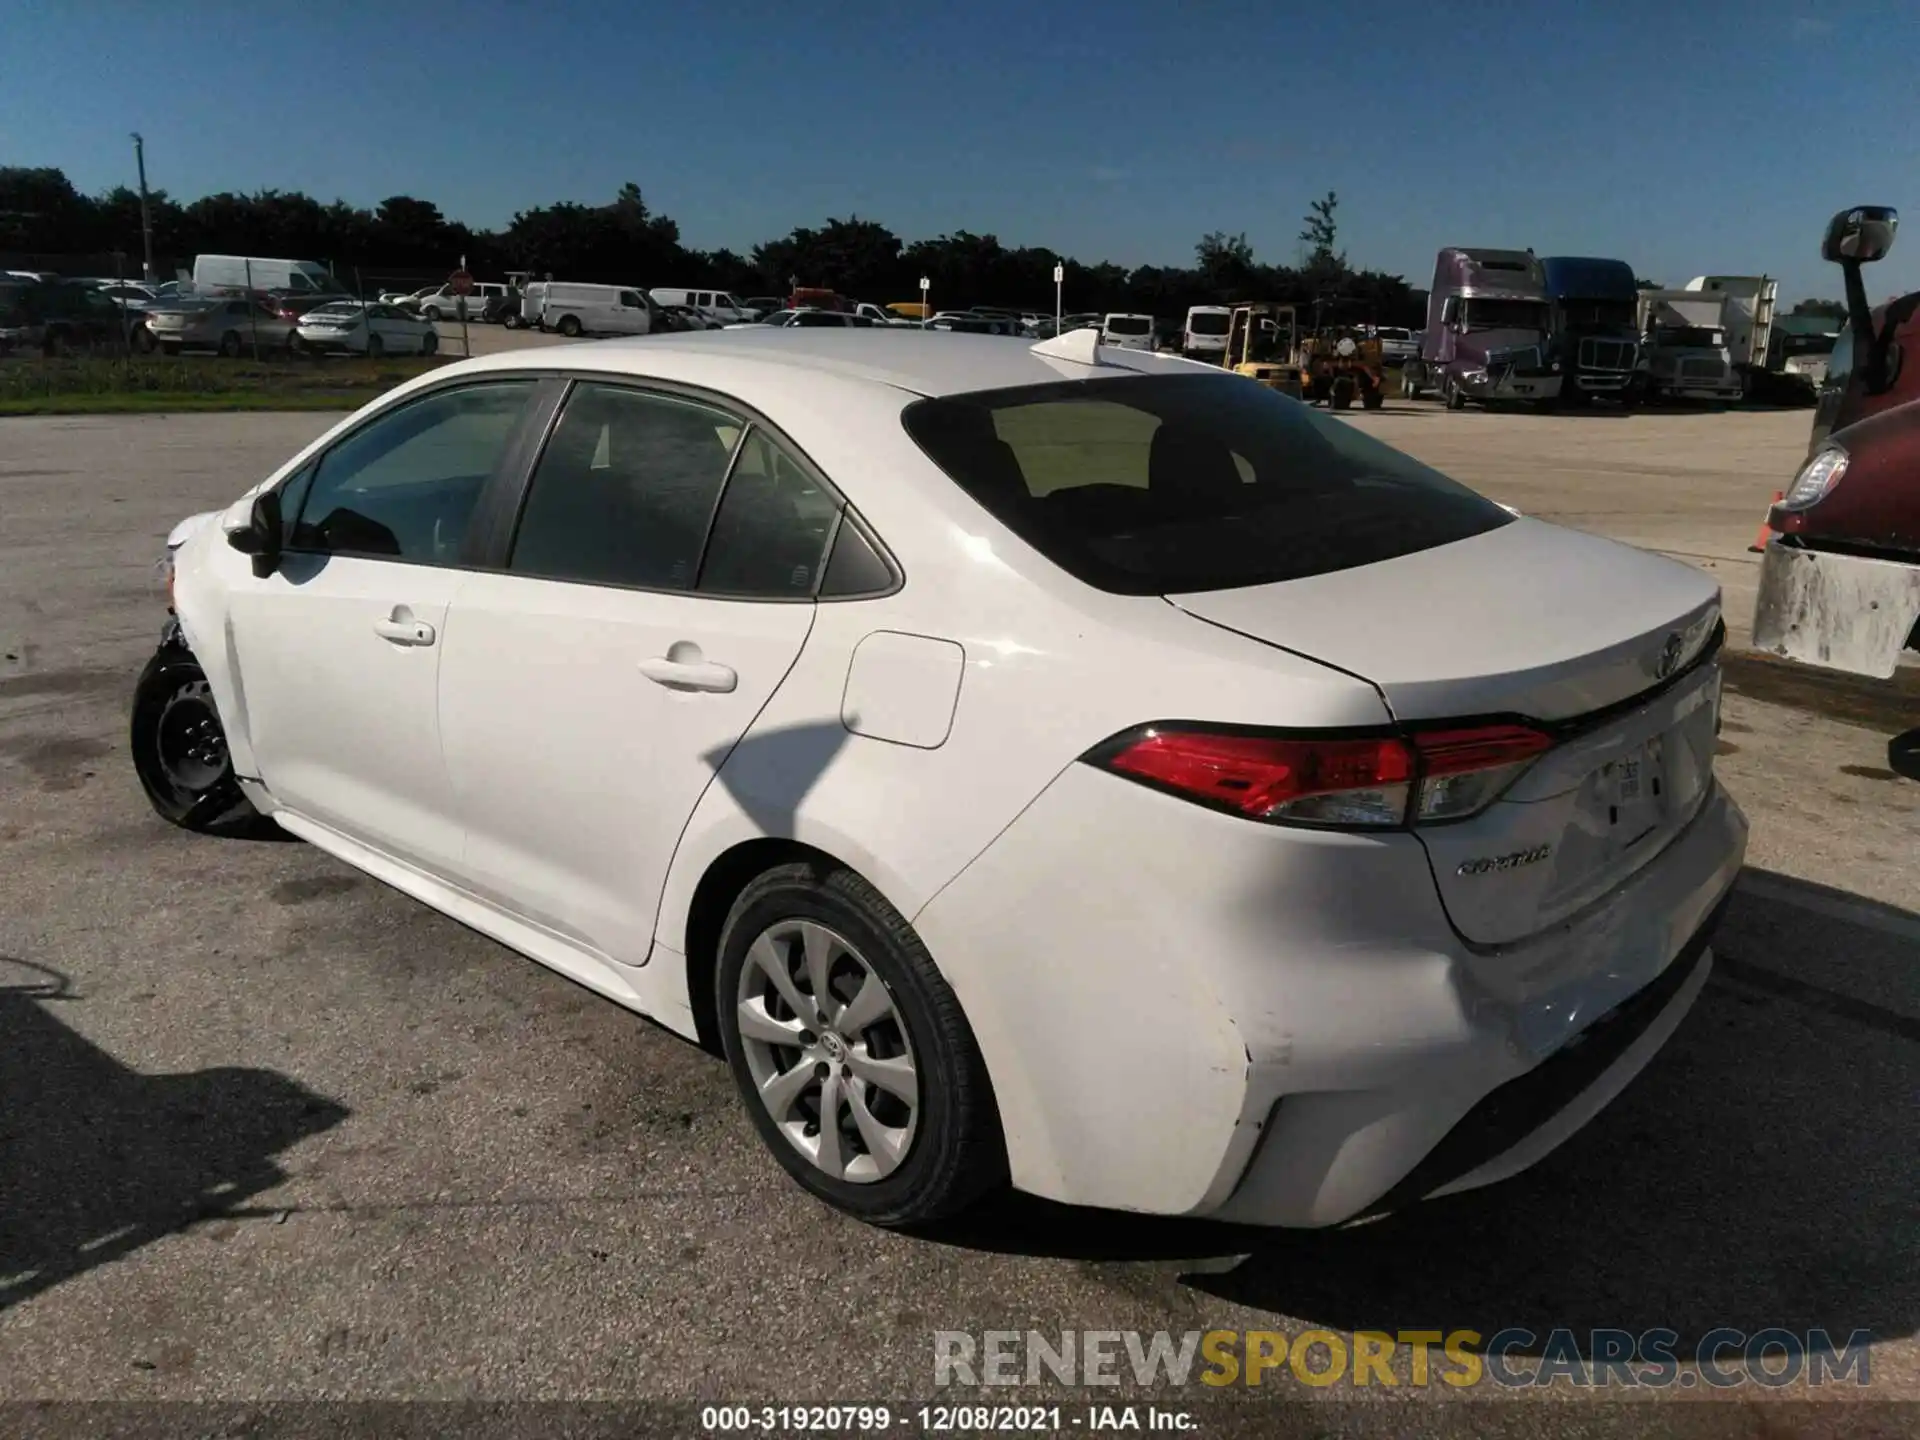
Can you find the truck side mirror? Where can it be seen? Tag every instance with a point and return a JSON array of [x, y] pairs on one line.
[[1854, 238], [1862, 235], [261, 538]]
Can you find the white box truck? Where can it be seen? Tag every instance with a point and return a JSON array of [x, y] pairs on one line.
[[1746, 314]]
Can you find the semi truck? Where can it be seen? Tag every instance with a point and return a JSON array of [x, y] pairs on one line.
[[1840, 573], [1488, 323], [1596, 330]]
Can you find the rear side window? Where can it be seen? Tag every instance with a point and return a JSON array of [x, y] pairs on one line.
[[625, 489], [1165, 484], [1129, 325], [771, 532]]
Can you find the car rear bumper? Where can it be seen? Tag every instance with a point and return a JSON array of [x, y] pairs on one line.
[[1842, 612], [1188, 1013]]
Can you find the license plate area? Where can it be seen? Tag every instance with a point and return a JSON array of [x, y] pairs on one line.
[[1635, 792]]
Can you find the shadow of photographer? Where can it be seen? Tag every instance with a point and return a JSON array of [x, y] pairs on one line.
[[97, 1159]]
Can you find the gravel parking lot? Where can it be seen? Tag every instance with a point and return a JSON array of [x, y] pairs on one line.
[[269, 1129]]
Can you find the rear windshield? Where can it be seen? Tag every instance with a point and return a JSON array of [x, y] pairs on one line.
[[1166, 484], [1209, 324], [1129, 324]]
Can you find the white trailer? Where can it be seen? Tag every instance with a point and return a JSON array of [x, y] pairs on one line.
[[1746, 314]]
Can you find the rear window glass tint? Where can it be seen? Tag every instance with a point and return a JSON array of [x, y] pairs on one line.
[[1128, 325], [1167, 484]]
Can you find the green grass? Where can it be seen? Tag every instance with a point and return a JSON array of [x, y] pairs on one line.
[[158, 384]]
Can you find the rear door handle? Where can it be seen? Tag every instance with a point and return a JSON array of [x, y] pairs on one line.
[[690, 675], [404, 632]]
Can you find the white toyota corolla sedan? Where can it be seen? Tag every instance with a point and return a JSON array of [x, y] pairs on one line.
[[1040, 764]]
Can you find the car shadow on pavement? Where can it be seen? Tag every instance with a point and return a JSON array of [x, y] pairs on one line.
[[1759, 1173], [97, 1160]]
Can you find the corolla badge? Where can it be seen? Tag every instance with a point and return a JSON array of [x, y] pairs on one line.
[[1670, 654], [1489, 864]]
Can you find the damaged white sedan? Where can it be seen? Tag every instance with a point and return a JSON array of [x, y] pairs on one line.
[[1031, 764]]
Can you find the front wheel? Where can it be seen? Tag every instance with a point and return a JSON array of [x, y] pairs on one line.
[[431, 314], [429, 343], [850, 1050], [1456, 397], [230, 344], [570, 327], [179, 745], [376, 347]]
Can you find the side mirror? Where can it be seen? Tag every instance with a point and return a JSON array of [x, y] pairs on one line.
[[1854, 238], [261, 538], [1861, 235]]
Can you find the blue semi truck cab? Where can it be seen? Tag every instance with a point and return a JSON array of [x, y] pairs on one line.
[[1595, 329]]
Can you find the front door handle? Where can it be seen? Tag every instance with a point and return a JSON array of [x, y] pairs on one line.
[[404, 632], [690, 674]]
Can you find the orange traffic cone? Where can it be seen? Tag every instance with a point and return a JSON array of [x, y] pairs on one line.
[[1759, 545]]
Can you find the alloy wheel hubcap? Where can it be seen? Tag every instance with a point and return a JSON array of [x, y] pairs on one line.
[[828, 1051]]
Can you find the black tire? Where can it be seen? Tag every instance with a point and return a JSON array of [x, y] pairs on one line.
[[429, 343], [956, 1153], [431, 314], [376, 347], [1409, 384], [169, 347], [1341, 397], [1373, 397], [570, 326], [230, 344], [141, 339], [179, 747], [1456, 398]]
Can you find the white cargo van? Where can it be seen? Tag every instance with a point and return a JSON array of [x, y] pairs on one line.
[[590, 309], [714, 305], [1205, 337], [241, 272], [1127, 332]]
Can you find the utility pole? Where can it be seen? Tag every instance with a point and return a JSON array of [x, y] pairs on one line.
[[146, 218]]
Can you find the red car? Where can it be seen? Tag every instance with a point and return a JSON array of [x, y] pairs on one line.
[[1840, 581]]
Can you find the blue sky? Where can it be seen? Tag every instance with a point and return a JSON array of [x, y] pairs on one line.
[[1687, 137]]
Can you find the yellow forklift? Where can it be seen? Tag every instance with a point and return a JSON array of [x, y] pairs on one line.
[[1263, 343]]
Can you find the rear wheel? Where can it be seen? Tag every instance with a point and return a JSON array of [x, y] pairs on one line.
[[570, 326], [376, 347], [179, 746], [1341, 397], [850, 1050], [429, 343], [431, 314], [230, 344]]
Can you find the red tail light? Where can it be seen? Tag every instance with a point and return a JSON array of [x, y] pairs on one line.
[[1342, 781]]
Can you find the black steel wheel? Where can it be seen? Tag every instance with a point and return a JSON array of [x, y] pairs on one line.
[[179, 745]]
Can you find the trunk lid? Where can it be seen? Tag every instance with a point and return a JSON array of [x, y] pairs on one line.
[[1597, 642]]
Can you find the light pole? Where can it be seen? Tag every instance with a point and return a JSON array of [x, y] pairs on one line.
[[146, 217], [1059, 281], [926, 310]]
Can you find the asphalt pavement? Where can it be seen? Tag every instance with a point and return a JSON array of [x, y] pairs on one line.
[[270, 1130]]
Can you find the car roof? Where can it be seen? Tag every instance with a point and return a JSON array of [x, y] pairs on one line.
[[930, 363]]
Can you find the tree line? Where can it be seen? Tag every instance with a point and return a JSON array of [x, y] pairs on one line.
[[625, 242]]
